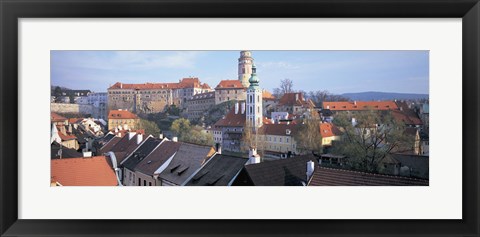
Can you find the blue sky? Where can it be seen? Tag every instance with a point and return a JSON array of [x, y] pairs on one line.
[[335, 71]]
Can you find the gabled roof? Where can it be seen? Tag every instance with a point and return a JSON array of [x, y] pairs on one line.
[[66, 152], [323, 176], [279, 129], [359, 105], [143, 151], [407, 116], [329, 130], [218, 171], [54, 117], [92, 171], [125, 147], [284, 172], [158, 157], [230, 84], [121, 114], [189, 158], [232, 119], [293, 99], [266, 95], [109, 145]]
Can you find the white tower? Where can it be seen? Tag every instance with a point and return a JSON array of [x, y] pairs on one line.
[[245, 67], [254, 101]]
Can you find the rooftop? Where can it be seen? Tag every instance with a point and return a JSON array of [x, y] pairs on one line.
[[92, 171], [218, 171], [360, 105], [158, 157], [121, 114], [230, 84], [323, 176]]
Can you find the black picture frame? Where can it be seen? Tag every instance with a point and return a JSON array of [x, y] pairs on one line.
[[11, 11]]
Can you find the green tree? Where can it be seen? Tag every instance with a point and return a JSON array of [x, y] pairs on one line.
[[308, 136], [181, 127], [217, 112], [150, 127], [198, 136], [369, 138]]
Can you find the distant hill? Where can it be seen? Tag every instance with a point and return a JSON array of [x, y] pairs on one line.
[[373, 95]]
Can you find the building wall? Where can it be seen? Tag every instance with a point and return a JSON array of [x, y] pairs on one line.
[[282, 144], [197, 107], [224, 95], [141, 101], [82, 109], [327, 141], [130, 123]]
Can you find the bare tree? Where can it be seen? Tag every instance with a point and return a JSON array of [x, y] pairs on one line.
[[318, 97], [286, 86], [370, 138]]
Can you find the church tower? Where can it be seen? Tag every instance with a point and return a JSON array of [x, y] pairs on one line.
[[245, 67], [254, 101]]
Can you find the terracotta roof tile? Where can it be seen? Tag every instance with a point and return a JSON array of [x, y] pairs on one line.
[[279, 129], [229, 84], [121, 114], [54, 117], [92, 171], [145, 86], [291, 99], [329, 130], [360, 105], [232, 119]]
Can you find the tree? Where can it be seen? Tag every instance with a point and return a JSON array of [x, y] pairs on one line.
[[181, 127], [252, 139], [318, 97], [149, 127], [192, 134], [286, 86], [369, 138], [308, 136], [217, 112]]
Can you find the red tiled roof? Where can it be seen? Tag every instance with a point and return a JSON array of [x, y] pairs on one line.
[[232, 119], [329, 130], [54, 117], [121, 114], [206, 86], [406, 115], [229, 84], [65, 137], [291, 99], [74, 120], [92, 171], [145, 86], [191, 82], [323, 176], [360, 105]]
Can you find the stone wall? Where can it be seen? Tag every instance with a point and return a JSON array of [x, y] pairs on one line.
[[80, 109]]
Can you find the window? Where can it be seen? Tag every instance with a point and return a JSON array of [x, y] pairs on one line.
[[149, 183], [287, 140], [145, 183], [139, 182], [280, 139]]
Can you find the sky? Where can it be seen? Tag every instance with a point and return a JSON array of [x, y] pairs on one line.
[[335, 71]]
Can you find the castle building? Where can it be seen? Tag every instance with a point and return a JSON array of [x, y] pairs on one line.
[[254, 113], [153, 97], [245, 63], [228, 90]]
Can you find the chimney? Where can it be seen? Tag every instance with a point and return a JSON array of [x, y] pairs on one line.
[[253, 157], [252, 152], [175, 139], [355, 102], [130, 135], [219, 148], [243, 107], [121, 85], [70, 128], [160, 136], [296, 96], [236, 108], [87, 153], [139, 138], [310, 169], [328, 106]]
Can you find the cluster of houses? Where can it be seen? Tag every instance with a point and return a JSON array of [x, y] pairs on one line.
[[90, 152]]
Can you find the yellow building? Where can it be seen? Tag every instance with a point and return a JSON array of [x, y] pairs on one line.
[[329, 133], [122, 119], [277, 140]]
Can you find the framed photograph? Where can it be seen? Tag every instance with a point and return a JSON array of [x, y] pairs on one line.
[[296, 118]]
